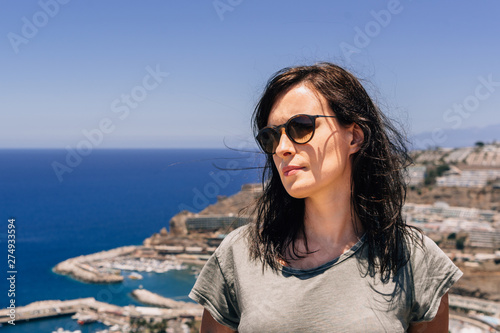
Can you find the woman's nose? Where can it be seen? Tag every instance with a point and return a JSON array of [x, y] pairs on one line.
[[285, 145]]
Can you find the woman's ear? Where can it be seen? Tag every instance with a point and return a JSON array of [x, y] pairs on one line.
[[357, 138]]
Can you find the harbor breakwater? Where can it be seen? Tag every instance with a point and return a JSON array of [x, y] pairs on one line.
[[149, 298], [80, 269]]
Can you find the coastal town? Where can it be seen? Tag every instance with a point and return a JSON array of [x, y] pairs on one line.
[[453, 197]]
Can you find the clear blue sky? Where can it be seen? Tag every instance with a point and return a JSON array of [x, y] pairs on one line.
[[67, 66]]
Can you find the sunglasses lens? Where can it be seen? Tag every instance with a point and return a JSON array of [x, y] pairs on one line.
[[301, 128], [268, 139]]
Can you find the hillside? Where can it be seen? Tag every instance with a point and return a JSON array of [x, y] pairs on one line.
[[481, 198]]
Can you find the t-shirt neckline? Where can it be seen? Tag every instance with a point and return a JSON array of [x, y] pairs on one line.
[[327, 265]]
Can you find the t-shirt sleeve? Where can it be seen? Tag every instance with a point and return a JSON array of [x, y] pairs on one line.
[[216, 293], [433, 275]]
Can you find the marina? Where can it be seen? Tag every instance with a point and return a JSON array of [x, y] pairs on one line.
[[107, 266], [141, 264]]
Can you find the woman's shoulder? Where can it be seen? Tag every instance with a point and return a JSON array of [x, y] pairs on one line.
[[235, 236], [234, 242], [431, 272], [421, 245], [426, 257]]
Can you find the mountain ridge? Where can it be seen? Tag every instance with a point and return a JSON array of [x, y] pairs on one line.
[[454, 138]]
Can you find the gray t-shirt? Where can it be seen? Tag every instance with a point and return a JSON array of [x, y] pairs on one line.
[[339, 296]]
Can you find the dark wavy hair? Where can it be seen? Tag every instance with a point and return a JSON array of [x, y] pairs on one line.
[[378, 187]]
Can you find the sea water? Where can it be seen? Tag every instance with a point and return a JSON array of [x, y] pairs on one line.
[[66, 207]]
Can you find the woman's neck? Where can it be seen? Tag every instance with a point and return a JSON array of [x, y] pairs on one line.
[[329, 229], [329, 220]]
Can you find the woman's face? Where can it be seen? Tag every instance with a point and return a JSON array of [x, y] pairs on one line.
[[321, 167]]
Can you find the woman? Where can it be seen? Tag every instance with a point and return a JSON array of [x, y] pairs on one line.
[[329, 251]]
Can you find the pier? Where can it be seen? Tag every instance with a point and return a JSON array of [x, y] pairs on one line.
[[458, 323], [46, 309], [489, 308], [165, 309]]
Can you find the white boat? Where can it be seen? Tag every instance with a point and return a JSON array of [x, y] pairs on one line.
[[62, 330], [84, 318], [135, 276]]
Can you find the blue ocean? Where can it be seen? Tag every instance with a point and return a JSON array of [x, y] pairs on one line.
[[65, 206]]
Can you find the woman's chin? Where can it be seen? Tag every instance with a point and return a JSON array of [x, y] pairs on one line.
[[298, 192]]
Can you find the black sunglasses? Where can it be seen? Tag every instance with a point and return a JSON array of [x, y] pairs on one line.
[[299, 129]]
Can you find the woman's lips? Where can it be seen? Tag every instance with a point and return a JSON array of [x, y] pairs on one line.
[[291, 170]]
